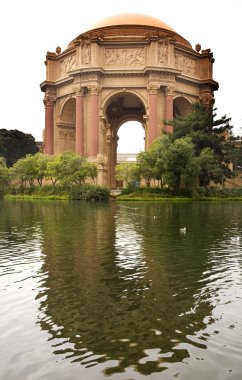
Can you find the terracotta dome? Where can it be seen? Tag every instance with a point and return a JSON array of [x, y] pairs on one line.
[[131, 19], [131, 24]]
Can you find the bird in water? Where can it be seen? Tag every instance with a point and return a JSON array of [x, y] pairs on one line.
[[183, 230], [236, 239]]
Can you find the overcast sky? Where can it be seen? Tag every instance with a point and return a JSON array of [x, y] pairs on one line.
[[30, 28]]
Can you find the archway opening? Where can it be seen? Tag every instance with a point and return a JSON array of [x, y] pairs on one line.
[[131, 138], [125, 132], [181, 107]]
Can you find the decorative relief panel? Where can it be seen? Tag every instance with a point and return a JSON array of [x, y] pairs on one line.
[[66, 131], [186, 64], [124, 57], [68, 63], [66, 135]]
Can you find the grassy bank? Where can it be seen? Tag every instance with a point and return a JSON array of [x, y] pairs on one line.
[[77, 192], [36, 196], [183, 195]]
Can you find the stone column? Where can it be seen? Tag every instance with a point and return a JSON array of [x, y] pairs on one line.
[[79, 121], [144, 124], [152, 132], [94, 121], [49, 124], [114, 161], [109, 156], [169, 108]]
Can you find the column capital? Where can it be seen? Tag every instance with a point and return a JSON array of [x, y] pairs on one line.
[[94, 89], [207, 99], [49, 99], [169, 90], [79, 90], [153, 88]]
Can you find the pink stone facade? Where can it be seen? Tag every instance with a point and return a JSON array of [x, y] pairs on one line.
[[117, 72]]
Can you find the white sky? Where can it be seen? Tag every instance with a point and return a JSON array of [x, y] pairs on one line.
[[30, 28]]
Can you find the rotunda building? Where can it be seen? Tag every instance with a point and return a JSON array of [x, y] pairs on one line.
[[128, 67]]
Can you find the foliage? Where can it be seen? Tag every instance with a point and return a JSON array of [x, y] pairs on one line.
[[15, 144], [175, 161], [4, 173], [197, 153], [237, 156], [89, 192], [4, 177], [127, 172], [209, 169], [41, 162], [206, 131], [70, 168], [146, 162]]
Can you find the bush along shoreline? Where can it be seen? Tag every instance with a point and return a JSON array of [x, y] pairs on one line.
[[165, 194], [88, 192]]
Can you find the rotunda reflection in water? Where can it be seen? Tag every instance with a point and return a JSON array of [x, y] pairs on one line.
[[112, 297]]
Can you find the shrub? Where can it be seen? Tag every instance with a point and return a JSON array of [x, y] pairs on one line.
[[89, 193]]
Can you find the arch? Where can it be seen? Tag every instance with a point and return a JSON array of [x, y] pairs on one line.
[[68, 110], [136, 141], [66, 126], [123, 92], [181, 106], [120, 107]]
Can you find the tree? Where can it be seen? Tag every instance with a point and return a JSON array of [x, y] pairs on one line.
[[206, 131], [92, 170], [53, 172], [146, 162], [209, 170], [127, 172], [70, 168], [19, 170], [179, 163], [15, 144], [158, 150], [41, 161], [4, 173]]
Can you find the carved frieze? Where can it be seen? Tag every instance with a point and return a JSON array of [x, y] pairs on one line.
[[68, 63], [124, 57], [65, 134], [66, 131], [184, 63]]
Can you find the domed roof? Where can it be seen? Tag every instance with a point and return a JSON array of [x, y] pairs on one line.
[[128, 24], [131, 19]]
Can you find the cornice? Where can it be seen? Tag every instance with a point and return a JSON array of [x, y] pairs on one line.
[[198, 82], [46, 85]]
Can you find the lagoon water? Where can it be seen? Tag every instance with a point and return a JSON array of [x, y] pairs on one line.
[[117, 291]]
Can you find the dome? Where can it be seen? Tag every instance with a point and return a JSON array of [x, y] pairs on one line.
[[131, 19], [131, 24]]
